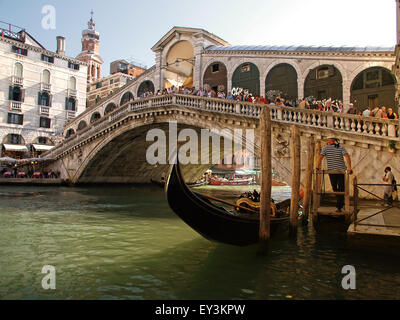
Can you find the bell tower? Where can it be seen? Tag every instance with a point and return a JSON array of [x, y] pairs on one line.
[[90, 51]]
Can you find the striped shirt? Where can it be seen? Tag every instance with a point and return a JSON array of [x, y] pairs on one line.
[[334, 157]]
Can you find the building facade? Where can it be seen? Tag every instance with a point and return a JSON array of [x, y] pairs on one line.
[[40, 91]]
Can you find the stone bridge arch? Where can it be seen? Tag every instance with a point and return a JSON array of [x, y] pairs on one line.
[[125, 147]]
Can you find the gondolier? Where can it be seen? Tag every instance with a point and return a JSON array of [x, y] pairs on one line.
[[335, 155]]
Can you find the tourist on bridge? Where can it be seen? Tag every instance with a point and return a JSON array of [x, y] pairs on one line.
[[351, 109], [335, 155], [391, 114]]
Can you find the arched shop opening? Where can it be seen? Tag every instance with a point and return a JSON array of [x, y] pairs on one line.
[[216, 77], [324, 82], [247, 76], [179, 65], [281, 80], [374, 87]]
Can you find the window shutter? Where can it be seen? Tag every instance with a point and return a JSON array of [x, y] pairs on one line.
[[52, 59], [39, 98], [23, 95], [50, 99], [10, 93], [66, 103]]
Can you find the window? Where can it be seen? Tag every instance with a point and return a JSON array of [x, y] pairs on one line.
[[70, 104], [98, 85], [44, 122], [72, 83], [16, 94], [48, 59], [215, 67], [111, 81], [15, 119], [245, 68], [46, 76], [42, 140], [44, 99], [18, 70], [322, 73], [74, 66], [20, 51]]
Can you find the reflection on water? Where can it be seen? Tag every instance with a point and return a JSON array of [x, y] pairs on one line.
[[125, 243]]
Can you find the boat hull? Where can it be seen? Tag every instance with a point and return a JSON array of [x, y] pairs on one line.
[[213, 222]]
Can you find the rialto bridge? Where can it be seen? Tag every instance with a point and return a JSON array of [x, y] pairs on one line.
[[112, 149]]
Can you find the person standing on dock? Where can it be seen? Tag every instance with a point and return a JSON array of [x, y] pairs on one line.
[[335, 155], [388, 190]]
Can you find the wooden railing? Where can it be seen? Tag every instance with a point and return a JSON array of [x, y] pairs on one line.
[[319, 185]]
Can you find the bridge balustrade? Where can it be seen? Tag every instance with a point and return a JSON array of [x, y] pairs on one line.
[[340, 122]]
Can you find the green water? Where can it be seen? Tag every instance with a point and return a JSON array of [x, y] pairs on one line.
[[125, 243]]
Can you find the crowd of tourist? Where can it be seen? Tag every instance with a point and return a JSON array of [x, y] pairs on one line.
[[238, 94]]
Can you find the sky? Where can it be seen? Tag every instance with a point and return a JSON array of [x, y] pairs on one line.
[[129, 28]]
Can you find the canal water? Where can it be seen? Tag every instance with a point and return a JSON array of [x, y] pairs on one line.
[[125, 243]]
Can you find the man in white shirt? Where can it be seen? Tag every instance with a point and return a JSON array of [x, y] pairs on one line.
[[367, 112]]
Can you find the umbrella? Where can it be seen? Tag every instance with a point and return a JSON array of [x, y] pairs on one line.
[[8, 159]]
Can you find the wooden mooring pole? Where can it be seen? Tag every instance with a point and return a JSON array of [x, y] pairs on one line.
[[308, 180], [294, 204], [316, 186], [266, 175]]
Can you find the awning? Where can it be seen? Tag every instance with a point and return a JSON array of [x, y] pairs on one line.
[[15, 147], [42, 147]]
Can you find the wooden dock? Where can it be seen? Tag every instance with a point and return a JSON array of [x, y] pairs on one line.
[[386, 223]]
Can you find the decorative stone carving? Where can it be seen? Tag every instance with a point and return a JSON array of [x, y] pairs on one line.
[[281, 146]]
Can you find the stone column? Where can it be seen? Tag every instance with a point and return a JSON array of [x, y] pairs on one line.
[[300, 88], [198, 48], [262, 86], [229, 82], [159, 73], [346, 93]]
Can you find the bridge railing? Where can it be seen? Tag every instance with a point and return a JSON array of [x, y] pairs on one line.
[[370, 126]]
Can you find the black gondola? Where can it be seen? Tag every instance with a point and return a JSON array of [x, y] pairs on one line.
[[213, 222]]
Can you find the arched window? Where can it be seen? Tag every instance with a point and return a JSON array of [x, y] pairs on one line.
[[18, 70], [69, 133], [72, 83], [110, 108], [95, 116], [46, 76], [128, 96], [13, 138], [82, 125]]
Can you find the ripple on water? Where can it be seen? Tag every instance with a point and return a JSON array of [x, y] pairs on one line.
[[124, 243]]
